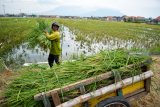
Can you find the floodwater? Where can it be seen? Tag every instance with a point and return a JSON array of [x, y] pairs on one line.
[[70, 48]]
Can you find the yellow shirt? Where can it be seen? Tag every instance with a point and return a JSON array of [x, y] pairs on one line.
[[54, 37]]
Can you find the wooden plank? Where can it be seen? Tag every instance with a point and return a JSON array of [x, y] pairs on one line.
[[147, 84], [55, 98], [76, 85]]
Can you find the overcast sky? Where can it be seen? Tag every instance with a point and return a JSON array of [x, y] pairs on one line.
[[146, 8]]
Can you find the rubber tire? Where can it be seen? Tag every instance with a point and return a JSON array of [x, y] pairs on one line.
[[113, 100]]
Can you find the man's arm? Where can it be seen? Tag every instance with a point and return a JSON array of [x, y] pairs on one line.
[[52, 36]]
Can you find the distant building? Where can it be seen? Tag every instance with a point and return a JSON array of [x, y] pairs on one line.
[[157, 20], [134, 19], [48, 16], [109, 18], [140, 18], [113, 18]]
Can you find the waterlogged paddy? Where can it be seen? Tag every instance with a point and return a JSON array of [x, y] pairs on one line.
[[71, 48], [91, 31]]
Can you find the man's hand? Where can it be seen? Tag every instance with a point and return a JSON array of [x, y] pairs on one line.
[[45, 31]]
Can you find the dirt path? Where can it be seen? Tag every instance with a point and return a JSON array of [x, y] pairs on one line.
[[153, 98], [5, 78]]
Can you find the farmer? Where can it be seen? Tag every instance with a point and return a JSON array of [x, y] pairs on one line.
[[55, 49]]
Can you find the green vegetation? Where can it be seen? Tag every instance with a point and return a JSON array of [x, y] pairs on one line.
[[13, 31], [38, 79]]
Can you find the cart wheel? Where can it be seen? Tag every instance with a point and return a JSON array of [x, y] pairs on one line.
[[113, 102]]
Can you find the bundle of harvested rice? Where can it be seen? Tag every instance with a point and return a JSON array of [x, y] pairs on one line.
[[37, 36], [38, 79]]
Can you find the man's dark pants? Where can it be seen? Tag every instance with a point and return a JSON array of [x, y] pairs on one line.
[[53, 58]]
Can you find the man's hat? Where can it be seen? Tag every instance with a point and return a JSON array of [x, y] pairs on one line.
[[55, 24]]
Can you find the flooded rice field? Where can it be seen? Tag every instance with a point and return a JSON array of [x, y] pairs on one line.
[[71, 48]]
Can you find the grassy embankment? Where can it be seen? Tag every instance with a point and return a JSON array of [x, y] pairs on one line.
[[14, 31]]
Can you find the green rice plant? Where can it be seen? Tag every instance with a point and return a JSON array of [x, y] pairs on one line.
[[13, 32]]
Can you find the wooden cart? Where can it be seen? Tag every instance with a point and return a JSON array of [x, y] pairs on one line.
[[115, 95]]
